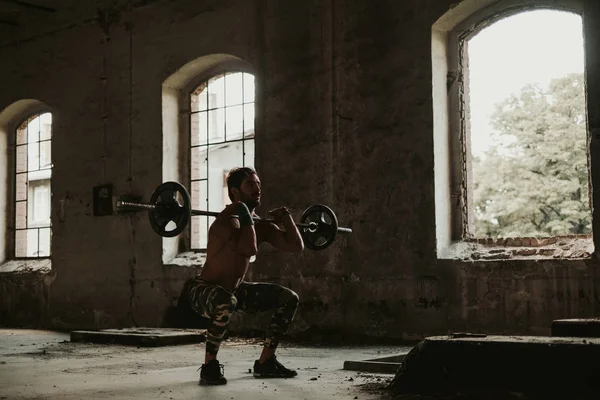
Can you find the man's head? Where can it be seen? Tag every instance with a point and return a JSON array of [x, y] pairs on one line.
[[243, 185]]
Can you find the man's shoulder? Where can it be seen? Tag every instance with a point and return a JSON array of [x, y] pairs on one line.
[[224, 223]]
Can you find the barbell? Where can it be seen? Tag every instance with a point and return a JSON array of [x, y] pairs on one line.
[[171, 202]]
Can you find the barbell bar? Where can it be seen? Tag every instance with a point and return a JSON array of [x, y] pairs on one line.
[[153, 207], [171, 202]]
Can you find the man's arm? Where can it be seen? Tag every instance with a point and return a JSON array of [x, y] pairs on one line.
[[286, 239], [246, 244]]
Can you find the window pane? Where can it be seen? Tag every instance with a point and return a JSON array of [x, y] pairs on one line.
[[199, 195], [216, 125], [235, 120], [199, 234], [199, 99], [199, 163], [21, 187], [21, 215], [22, 134], [249, 120], [216, 92], [199, 226], [221, 159], [21, 158], [248, 88], [33, 130], [46, 154], [32, 242], [45, 126], [33, 157], [249, 153], [21, 243], [44, 242], [199, 129], [233, 89], [40, 201]]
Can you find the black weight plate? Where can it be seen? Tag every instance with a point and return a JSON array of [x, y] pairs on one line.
[[323, 228], [172, 203]]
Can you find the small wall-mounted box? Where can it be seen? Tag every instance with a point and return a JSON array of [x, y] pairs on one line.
[[103, 200]]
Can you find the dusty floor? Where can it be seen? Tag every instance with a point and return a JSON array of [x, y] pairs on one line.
[[46, 365]]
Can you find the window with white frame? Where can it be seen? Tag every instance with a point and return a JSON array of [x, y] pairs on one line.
[[222, 137], [33, 191]]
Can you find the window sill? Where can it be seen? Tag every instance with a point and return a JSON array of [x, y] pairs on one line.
[[556, 248], [190, 259], [43, 265]]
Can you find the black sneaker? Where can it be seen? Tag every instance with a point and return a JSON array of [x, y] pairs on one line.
[[272, 368], [212, 373]]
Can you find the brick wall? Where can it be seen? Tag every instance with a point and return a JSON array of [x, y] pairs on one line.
[[344, 117]]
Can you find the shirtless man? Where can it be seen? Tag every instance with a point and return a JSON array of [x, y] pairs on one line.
[[220, 288]]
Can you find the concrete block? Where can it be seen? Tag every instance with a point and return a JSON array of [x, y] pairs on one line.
[[381, 365], [143, 337], [576, 327], [533, 364]]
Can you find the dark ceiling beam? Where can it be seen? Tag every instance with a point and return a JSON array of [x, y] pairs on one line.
[[29, 5]]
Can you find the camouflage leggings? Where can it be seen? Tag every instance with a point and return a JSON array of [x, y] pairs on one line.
[[217, 304]]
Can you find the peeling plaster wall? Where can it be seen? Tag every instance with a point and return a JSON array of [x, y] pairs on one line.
[[344, 118]]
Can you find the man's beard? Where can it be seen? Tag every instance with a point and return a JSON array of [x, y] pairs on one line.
[[251, 204]]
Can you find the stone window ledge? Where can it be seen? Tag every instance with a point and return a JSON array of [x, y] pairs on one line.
[[190, 259], [43, 265], [570, 247]]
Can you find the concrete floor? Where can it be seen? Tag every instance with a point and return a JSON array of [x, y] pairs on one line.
[[46, 365]]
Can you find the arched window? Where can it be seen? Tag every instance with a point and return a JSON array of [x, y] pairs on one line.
[[526, 114], [510, 113], [222, 137], [33, 190]]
